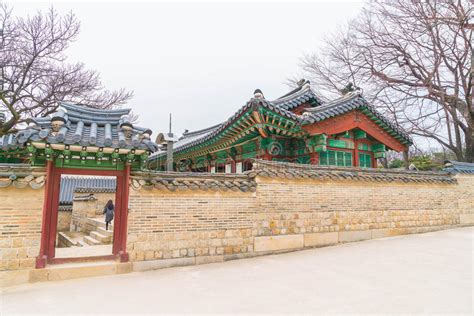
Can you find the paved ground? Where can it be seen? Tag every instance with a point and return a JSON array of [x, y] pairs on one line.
[[425, 273]]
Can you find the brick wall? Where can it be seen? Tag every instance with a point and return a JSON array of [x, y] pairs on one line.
[[203, 218], [164, 225], [20, 227], [328, 212], [64, 220], [191, 227]]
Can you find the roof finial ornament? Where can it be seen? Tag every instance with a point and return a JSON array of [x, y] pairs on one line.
[[351, 88], [258, 94], [59, 118], [126, 126]]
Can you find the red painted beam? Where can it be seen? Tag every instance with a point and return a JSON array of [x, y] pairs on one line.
[[351, 120]]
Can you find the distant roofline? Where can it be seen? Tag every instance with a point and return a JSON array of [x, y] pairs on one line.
[[200, 131]]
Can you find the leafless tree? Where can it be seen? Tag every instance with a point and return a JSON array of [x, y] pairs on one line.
[[35, 75], [412, 60]]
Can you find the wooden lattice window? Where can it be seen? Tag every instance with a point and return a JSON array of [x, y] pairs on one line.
[[335, 158], [365, 160]]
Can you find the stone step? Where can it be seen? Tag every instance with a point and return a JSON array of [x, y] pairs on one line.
[[91, 241], [85, 269], [81, 243], [95, 223], [105, 239], [104, 232]]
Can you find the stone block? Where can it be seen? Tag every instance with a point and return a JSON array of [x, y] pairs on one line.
[[349, 236], [124, 267], [209, 259], [320, 239], [161, 264], [38, 275], [15, 277], [75, 271], [281, 242], [382, 233], [466, 219]]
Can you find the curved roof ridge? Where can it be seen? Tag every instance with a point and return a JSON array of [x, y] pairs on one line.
[[351, 101], [200, 131], [294, 93], [335, 102], [71, 108], [208, 133]]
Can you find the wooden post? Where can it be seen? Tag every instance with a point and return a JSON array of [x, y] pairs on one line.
[[124, 215], [405, 159], [45, 225], [314, 158], [374, 161], [54, 210], [355, 159]]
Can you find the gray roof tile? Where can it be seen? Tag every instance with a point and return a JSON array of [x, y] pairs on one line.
[[83, 126], [70, 184], [453, 166]]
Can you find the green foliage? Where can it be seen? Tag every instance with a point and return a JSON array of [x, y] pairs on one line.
[[425, 162], [396, 163]]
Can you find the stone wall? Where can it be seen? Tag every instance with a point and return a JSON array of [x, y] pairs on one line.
[[172, 223], [206, 225], [20, 227], [184, 219], [302, 213], [64, 220], [88, 204]]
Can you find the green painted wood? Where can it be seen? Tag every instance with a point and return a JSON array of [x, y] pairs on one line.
[[378, 147], [335, 158], [365, 160], [359, 134]]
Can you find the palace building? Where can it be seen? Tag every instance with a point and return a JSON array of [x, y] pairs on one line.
[[297, 127]]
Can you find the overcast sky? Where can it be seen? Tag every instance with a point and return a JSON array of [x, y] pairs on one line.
[[199, 61]]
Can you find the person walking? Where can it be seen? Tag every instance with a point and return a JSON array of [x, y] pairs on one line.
[[109, 213]]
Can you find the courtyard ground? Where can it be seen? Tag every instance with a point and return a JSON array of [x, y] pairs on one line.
[[426, 273]]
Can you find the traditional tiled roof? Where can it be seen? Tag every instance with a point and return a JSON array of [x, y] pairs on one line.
[[265, 168], [71, 184], [21, 175], [181, 181], [302, 94], [84, 126], [453, 166], [197, 137], [317, 112], [347, 103]]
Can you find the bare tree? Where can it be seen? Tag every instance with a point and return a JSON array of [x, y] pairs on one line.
[[35, 76], [412, 59]]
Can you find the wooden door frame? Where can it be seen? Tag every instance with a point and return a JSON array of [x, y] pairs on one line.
[[50, 213]]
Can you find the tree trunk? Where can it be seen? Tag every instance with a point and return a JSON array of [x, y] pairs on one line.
[[405, 159], [469, 157]]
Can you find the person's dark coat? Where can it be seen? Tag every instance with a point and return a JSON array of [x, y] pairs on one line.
[[109, 214]]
